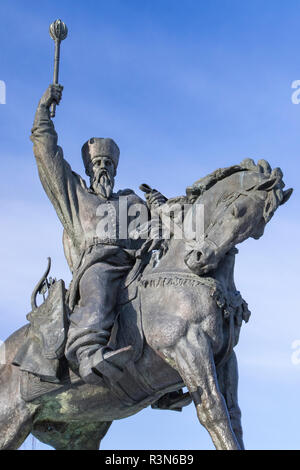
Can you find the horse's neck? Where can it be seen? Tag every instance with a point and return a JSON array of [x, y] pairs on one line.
[[225, 270], [210, 199]]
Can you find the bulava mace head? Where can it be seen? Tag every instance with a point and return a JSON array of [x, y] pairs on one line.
[[58, 30], [99, 147]]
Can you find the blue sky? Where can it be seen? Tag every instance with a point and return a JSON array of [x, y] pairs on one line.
[[183, 88]]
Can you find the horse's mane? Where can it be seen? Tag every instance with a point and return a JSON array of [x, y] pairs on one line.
[[205, 183], [271, 181]]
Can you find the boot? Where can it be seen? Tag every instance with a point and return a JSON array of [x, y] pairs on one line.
[[96, 362]]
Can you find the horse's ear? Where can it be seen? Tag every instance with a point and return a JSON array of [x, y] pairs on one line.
[[193, 191], [286, 196], [267, 185]]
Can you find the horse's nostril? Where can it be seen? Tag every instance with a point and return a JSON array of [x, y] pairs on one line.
[[199, 254]]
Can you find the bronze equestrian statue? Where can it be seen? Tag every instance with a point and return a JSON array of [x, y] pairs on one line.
[[145, 314]]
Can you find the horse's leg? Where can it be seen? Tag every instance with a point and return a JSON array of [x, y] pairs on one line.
[[15, 415], [228, 382], [71, 436], [194, 361]]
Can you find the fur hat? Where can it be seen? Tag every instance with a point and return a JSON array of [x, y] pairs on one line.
[[99, 147]]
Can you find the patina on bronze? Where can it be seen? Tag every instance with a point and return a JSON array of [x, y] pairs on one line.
[[141, 318]]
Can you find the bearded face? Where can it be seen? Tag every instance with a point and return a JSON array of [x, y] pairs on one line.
[[102, 175]]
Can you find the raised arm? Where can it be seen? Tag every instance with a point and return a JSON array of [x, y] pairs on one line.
[[57, 178], [44, 136]]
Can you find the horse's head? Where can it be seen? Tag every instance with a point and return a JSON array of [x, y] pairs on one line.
[[236, 207]]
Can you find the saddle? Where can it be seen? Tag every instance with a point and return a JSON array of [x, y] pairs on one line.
[[43, 348], [46, 335], [41, 356]]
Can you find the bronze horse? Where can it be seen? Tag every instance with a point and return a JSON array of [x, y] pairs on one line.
[[182, 315]]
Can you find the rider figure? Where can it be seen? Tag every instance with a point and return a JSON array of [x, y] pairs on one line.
[[98, 262]]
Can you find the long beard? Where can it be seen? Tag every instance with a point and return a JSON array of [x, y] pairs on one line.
[[103, 184]]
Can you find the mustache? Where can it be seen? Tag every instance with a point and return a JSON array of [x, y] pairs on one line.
[[100, 174], [103, 183]]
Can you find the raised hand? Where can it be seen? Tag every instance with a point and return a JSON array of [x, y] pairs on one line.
[[53, 94], [155, 199]]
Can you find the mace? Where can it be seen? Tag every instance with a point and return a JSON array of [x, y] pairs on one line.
[[58, 31]]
